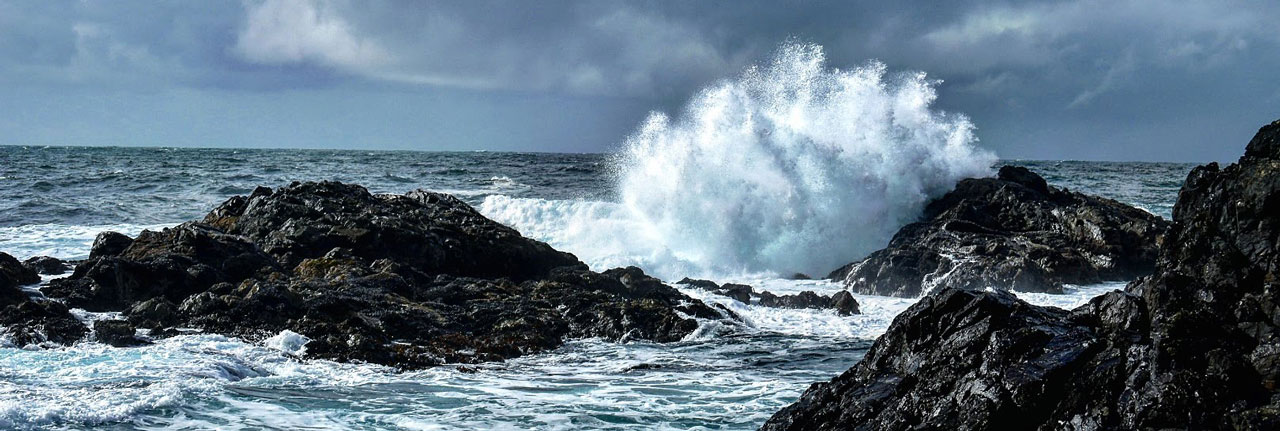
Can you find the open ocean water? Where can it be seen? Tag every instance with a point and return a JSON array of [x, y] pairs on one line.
[[53, 200]]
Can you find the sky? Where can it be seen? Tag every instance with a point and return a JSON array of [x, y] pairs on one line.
[[1081, 80]]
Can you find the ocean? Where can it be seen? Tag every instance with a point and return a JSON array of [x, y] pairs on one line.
[[699, 213]]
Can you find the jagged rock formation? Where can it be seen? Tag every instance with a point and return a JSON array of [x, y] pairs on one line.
[[1192, 346], [405, 280], [24, 320], [46, 265], [841, 301], [1011, 232]]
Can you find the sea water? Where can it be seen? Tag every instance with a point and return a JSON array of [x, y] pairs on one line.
[[793, 167]]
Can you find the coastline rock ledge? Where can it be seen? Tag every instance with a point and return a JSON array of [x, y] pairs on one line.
[[1013, 231], [409, 281], [1196, 345]]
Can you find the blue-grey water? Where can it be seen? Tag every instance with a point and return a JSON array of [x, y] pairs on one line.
[[53, 200]]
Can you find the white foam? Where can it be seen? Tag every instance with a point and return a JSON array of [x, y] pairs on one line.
[[59, 240], [791, 167], [289, 342], [92, 383], [1072, 296], [877, 312]]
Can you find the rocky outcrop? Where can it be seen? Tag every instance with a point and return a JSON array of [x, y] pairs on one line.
[[46, 265], [404, 280], [841, 301], [109, 244], [24, 320], [1193, 346], [117, 333], [1011, 232]]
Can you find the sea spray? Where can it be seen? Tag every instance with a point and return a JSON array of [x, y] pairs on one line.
[[791, 167]]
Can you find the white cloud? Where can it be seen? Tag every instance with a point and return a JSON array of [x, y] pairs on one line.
[[589, 48], [298, 31]]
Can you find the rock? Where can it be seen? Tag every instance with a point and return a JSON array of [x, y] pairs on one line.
[[154, 313], [117, 333], [699, 284], [842, 301], [109, 244], [434, 233], [34, 322], [173, 263], [844, 304], [13, 273], [408, 281], [1011, 232], [740, 292], [24, 320], [805, 299], [46, 265], [958, 359], [1192, 346]]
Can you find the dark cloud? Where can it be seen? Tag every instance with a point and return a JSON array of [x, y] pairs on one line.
[[1082, 80]]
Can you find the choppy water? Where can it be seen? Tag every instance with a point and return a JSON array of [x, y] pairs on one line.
[[56, 199]]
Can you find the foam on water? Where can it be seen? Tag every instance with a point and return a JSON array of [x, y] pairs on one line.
[[791, 167], [61, 241], [724, 379]]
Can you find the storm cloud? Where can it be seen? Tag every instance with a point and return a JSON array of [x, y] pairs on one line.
[[1120, 80]]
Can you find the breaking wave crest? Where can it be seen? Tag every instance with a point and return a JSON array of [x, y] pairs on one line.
[[791, 167]]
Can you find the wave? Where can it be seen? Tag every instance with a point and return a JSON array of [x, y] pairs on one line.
[[61, 241], [791, 167]]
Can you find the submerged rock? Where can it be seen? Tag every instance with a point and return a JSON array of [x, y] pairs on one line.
[[842, 301], [1011, 232], [410, 280], [1192, 346]]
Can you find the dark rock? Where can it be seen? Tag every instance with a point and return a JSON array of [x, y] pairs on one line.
[[434, 233], [1193, 346], [1024, 176], [408, 281], [154, 313], [740, 292], [700, 284], [24, 320], [958, 359], [117, 333], [805, 299], [1011, 232], [46, 265], [13, 273], [173, 263], [109, 244], [842, 302], [34, 322]]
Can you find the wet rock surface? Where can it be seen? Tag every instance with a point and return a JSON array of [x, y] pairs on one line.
[[46, 265], [1192, 346], [109, 244], [1015, 232], [117, 333], [410, 280], [842, 301], [24, 320]]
